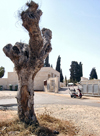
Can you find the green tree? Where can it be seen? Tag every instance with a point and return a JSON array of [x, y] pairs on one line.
[[46, 62], [58, 68], [66, 80], [58, 63], [81, 71], [93, 74], [75, 71], [2, 71], [61, 76]]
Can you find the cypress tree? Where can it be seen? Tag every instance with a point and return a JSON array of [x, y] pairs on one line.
[[81, 71], [66, 80], [93, 74], [58, 64], [59, 69], [46, 62], [61, 76], [75, 71]]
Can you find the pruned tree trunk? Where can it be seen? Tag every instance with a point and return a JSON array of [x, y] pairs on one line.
[[25, 97], [28, 60]]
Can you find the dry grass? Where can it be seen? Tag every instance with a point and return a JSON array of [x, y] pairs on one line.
[[63, 127], [47, 127]]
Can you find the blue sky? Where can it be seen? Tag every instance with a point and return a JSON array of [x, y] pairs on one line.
[[75, 26]]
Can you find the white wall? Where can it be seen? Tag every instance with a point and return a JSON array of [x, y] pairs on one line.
[[42, 75]]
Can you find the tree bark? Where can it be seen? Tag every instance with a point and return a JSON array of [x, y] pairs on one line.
[[28, 60], [25, 97]]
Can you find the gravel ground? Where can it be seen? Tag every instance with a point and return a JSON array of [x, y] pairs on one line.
[[85, 118]]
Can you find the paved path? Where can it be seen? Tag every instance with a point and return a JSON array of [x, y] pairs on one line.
[[52, 98]]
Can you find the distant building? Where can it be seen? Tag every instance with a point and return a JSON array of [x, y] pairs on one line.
[[44, 74], [90, 87], [84, 79]]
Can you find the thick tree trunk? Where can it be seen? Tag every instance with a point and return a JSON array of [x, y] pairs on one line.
[[25, 97], [28, 60]]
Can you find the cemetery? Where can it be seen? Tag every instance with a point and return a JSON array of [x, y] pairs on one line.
[[90, 87]]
